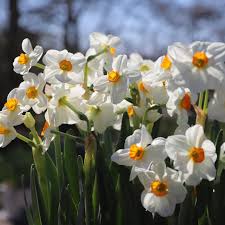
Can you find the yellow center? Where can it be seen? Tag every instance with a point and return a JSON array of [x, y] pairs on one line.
[[200, 60], [130, 111], [144, 68], [141, 87], [65, 65], [23, 59], [113, 76], [32, 92], [197, 154], [11, 104], [136, 152], [159, 188], [166, 63], [185, 103], [112, 51], [4, 130]]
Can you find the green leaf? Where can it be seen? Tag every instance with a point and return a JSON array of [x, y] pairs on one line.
[[125, 131], [40, 166], [89, 176], [34, 197], [186, 214], [27, 207], [59, 161], [71, 168]]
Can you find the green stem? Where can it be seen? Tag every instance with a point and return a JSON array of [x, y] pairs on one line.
[[200, 101], [91, 57], [78, 139], [24, 139], [35, 135], [80, 115], [59, 162], [85, 76], [40, 66], [206, 100]]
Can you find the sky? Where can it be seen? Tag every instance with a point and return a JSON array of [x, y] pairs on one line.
[[141, 25]]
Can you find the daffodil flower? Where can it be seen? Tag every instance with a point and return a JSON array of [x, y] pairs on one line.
[[193, 154], [13, 108], [30, 92], [104, 43], [140, 151], [163, 190], [7, 130], [58, 112], [143, 66], [63, 66], [200, 64], [216, 107], [29, 58], [116, 81], [180, 102]]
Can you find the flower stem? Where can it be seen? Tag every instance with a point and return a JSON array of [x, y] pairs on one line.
[[85, 76], [24, 139], [200, 101], [40, 66], [90, 58], [206, 99], [80, 114], [35, 135], [75, 138]]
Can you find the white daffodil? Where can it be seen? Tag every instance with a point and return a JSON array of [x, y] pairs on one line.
[[57, 112], [30, 92], [29, 58], [193, 154], [163, 190], [154, 89], [140, 151], [200, 65], [101, 115], [222, 152], [143, 66], [47, 135], [180, 102], [116, 81], [216, 107], [63, 66], [13, 108], [7, 131], [107, 43], [164, 68]]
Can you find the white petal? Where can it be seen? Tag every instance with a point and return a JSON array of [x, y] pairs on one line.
[[122, 157], [146, 138], [26, 46], [195, 135]]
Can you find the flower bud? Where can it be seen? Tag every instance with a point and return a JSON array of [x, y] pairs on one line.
[[29, 120]]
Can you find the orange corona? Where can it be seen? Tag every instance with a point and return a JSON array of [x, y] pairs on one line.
[[11, 104], [23, 59], [197, 154], [159, 188], [166, 63], [65, 65], [185, 103], [200, 60], [113, 76], [31, 92], [136, 152]]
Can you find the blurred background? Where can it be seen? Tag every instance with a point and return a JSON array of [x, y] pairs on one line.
[[145, 26]]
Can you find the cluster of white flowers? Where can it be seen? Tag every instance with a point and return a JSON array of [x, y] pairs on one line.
[[94, 90]]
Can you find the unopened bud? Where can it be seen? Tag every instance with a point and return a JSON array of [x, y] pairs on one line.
[[29, 120]]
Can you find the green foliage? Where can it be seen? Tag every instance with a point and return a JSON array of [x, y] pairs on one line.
[[69, 189]]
